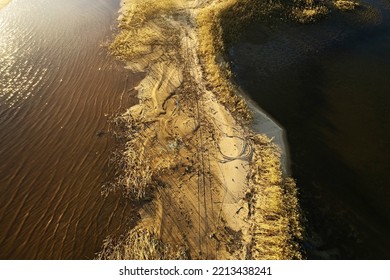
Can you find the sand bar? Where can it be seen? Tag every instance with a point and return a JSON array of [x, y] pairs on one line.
[[212, 187]]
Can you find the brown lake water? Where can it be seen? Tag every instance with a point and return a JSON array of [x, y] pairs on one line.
[[58, 88]]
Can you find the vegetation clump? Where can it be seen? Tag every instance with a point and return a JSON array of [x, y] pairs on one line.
[[140, 243], [273, 206], [309, 13], [345, 5]]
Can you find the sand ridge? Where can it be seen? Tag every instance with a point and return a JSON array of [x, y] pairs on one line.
[[213, 189]]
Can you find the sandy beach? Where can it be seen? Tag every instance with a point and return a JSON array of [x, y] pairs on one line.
[[212, 188]]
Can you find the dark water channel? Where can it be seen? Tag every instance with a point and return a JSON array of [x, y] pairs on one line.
[[58, 88], [328, 85]]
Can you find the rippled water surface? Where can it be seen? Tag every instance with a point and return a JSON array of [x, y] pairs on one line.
[[57, 89]]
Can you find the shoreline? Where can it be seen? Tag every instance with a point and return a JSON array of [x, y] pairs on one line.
[[263, 123], [212, 188]]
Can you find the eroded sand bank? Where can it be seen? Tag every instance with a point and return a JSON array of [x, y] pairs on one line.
[[213, 188]]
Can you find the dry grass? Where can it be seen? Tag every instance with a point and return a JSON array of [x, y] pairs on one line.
[[345, 5], [309, 14], [137, 37], [140, 243], [141, 160], [273, 206], [217, 24], [136, 178], [307, 11], [135, 13]]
